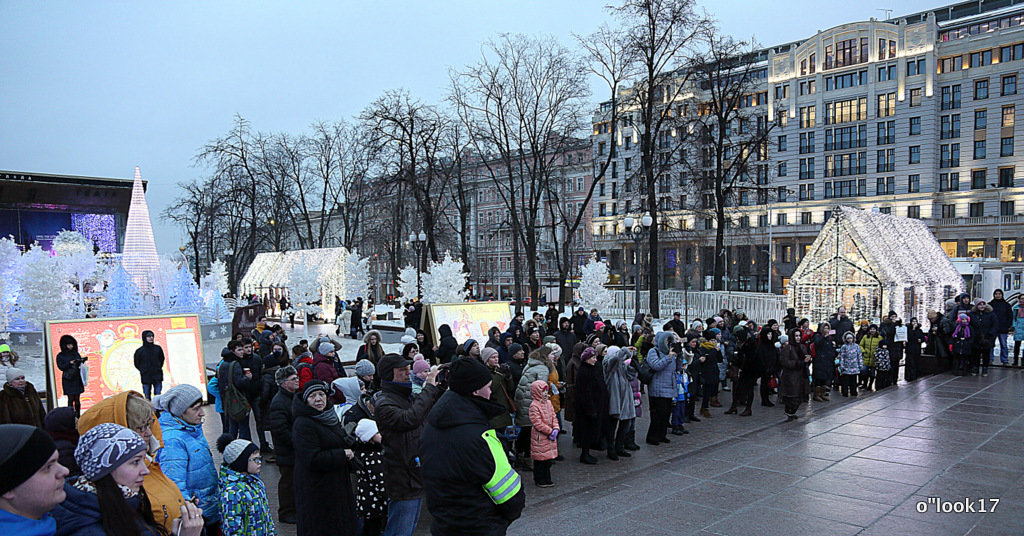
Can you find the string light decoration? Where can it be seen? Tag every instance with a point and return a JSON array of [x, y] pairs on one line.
[[140, 259], [593, 292], [873, 263], [100, 229], [274, 271]]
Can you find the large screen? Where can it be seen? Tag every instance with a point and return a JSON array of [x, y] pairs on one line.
[[469, 320], [110, 345]]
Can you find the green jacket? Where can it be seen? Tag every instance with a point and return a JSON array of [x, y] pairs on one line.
[[868, 345]]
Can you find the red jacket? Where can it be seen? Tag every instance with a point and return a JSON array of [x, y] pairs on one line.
[[305, 367]]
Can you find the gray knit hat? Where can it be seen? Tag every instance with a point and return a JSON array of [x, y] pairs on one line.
[[106, 447], [284, 373], [236, 452], [365, 368], [14, 373], [325, 348], [177, 399]]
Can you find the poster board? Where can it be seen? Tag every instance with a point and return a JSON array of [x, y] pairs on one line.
[[469, 320], [110, 345]]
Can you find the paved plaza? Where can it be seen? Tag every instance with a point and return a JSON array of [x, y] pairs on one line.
[[851, 466]]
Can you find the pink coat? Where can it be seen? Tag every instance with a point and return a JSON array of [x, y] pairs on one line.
[[543, 422]]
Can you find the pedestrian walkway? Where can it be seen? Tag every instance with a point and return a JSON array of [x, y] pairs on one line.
[[850, 466]]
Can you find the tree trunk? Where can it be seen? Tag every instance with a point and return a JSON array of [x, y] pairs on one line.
[[720, 260]]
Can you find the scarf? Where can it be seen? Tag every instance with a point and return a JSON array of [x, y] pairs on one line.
[[962, 330], [82, 484], [327, 417]]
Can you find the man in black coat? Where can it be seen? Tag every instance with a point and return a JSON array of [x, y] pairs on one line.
[[279, 420], [356, 325], [984, 337], [149, 361], [447, 346], [565, 338], [471, 488], [677, 325], [400, 418], [1004, 321], [840, 325]]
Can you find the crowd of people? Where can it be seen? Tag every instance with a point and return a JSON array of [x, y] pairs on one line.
[[447, 424]]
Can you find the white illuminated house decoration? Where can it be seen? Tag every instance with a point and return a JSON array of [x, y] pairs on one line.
[[873, 263], [140, 259]]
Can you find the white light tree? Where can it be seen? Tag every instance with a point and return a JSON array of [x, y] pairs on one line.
[[122, 297], [217, 278], [357, 276], [77, 261], [444, 282], [184, 294], [10, 274], [593, 292], [303, 291], [406, 283], [42, 288], [214, 286]]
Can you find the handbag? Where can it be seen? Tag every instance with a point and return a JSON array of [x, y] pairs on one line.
[[732, 372], [773, 382]]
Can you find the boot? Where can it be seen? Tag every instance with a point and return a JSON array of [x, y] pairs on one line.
[[871, 385], [746, 412], [818, 396], [612, 455], [586, 458], [679, 430], [731, 410], [1016, 361], [705, 413], [715, 403]]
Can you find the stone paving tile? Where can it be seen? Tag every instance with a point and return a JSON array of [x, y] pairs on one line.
[[765, 521], [859, 487], [883, 470], [825, 505], [792, 464], [757, 478], [886, 421], [844, 440], [996, 476], [867, 431], [923, 445], [891, 525], [821, 450], [909, 457], [724, 496]]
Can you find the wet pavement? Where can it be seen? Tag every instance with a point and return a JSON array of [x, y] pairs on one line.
[[864, 465]]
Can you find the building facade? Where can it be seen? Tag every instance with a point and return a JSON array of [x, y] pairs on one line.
[[913, 116]]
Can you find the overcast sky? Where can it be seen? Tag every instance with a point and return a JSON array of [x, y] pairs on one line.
[[96, 88]]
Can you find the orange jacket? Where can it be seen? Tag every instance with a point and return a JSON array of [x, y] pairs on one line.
[[163, 493], [543, 422]]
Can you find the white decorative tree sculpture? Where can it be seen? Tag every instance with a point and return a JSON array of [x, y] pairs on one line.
[[357, 276], [76, 260], [140, 258], [184, 295], [593, 292], [406, 283], [42, 288], [445, 282], [10, 275], [303, 291], [122, 297]]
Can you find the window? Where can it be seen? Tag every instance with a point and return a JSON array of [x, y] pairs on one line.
[[840, 165], [1006, 208], [975, 210], [915, 67], [980, 119], [953, 63], [807, 87], [885, 186], [949, 211], [914, 211], [806, 192], [615, 170], [782, 169], [915, 126], [981, 59], [886, 133], [949, 155], [1009, 85], [744, 222], [915, 97], [600, 147], [846, 137], [629, 143], [978, 179], [807, 168], [887, 73], [949, 246], [782, 219], [847, 188], [949, 182], [915, 154], [782, 143], [1007, 120], [885, 210], [950, 97], [1005, 177], [786, 252], [781, 194], [846, 110], [979, 149], [627, 164], [886, 104], [1006, 146], [782, 92], [975, 248], [980, 89], [885, 160], [806, 142], [843, 81], [601, 210], [806, 116], [805, 218], [1011, 53], [913, 184], [949, 126]]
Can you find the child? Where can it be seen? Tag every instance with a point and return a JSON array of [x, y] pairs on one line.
[[868, 345], [883, 365], [850, 363], [420, 368], [243, 499], [962, 347], [371, 498], [682, 390], [543, 433]]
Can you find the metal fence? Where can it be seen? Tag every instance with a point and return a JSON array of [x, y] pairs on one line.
[[758, 306]]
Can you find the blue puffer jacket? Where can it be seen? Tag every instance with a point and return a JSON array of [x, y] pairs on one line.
[[1018, 324], [79, 514], [664, 383], [186, 460]]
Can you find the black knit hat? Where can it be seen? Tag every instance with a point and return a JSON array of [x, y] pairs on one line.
[[467, 375], [24, 450], [387, 365]]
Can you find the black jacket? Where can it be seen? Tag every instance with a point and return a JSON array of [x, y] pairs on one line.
[[566, 339], [823, 354], [149, 360], [706, 372], [677, 326], [841, 326], [250, 387], [457, 465], [280, 420], [324, 502], [400, 420], [447, 346], [1004, 315], [70, 363]]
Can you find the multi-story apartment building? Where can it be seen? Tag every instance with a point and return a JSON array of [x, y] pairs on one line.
[[913, 116]]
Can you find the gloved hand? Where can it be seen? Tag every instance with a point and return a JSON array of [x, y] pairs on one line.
[[553, 435]]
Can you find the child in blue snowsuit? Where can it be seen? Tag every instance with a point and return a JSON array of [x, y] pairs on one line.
[[679, 403]]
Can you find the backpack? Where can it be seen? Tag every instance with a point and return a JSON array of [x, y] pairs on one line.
[[645, 373], [233, 401]]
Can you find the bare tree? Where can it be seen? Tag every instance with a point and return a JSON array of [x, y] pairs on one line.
[[662, 36], [522, 102], [194, 211], [733, 135]]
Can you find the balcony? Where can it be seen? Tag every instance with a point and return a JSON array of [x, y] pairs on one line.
[[981, 220]]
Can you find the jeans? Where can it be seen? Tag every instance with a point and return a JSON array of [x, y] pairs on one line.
[[403, 517], [156, 388], [240, 429], [1004, 350]]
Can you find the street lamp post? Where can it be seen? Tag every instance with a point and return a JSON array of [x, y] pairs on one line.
[[637, 231], [999, 225], [418, 241]]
